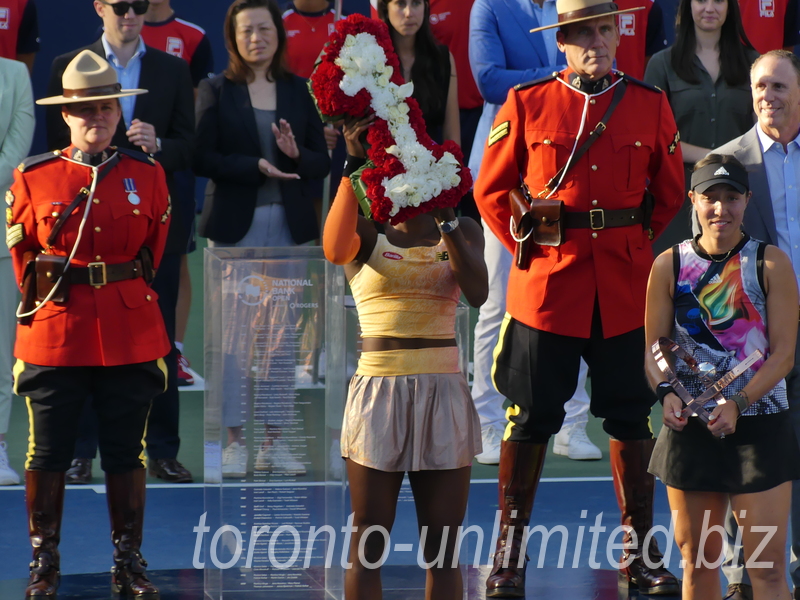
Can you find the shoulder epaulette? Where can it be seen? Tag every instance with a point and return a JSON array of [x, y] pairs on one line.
[[32, 161], [644, 84], [527, 84], [140, 156]]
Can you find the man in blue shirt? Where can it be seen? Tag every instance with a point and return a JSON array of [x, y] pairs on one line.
[[771, 153]]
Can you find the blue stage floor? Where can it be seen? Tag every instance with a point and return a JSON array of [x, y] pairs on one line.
[[576, 505]]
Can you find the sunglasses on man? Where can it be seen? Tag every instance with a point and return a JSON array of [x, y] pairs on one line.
[[121, 8]]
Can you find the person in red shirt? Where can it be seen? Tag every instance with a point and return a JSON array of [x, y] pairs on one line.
[[165, 31], [771, 24], [308, 25], [641, 34], [583, 296], [19, 31], [449, 21]]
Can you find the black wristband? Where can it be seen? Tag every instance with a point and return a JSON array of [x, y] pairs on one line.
[[662, 389], [353, 164]]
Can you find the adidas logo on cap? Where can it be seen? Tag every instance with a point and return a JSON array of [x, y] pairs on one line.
[[721, 171]]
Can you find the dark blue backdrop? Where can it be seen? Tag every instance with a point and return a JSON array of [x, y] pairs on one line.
[[65, 26]]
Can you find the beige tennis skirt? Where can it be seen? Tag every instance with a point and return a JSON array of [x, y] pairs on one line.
[[410, 422]]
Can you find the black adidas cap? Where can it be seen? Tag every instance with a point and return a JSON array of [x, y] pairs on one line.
[[715, 173]]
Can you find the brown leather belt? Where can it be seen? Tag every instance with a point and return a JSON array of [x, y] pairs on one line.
[[100, 273], [383, 344], [599, 218]]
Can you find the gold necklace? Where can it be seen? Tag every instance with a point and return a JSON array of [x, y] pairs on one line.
[[727, 254]]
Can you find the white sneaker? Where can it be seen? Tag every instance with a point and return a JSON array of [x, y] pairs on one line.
[[573, 443], [491, 438], [8, 476], [336, 462], [234, 460], [277, 459], [212, 462]]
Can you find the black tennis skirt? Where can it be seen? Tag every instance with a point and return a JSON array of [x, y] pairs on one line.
[[761, 454]]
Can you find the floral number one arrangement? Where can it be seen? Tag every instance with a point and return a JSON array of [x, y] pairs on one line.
[[407, 173]]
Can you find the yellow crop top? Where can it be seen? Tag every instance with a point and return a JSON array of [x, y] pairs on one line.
[[406, 292]]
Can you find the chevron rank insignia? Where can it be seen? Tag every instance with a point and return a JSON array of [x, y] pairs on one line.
[[499, 132], [14, 235], [674, 145]]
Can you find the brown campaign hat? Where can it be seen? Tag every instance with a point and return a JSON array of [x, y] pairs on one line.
[[572, 11], [87, 77]]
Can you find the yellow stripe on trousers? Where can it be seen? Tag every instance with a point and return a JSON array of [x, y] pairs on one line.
[[162, 366], [19, 367], [512, 410]]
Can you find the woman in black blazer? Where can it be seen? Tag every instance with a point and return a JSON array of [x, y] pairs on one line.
[[260, 143], [262, 172]]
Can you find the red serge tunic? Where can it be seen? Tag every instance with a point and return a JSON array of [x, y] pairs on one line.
[[533, 136], [114, 324]]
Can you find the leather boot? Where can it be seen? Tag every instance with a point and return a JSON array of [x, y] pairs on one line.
[[126, 494], [634, 487], [520, 467], [44, 497]]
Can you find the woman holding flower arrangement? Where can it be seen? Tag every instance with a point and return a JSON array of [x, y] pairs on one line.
[[409, 408], [426, 63]]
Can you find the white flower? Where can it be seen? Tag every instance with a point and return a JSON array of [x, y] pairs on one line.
[[363, 63]]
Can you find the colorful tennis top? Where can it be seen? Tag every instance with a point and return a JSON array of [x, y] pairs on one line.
[[406, 292], [721, 316]]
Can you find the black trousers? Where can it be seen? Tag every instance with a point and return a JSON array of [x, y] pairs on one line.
[[121, 397], [538, 372], [163, 440]]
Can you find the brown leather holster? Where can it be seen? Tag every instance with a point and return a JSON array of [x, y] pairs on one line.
[[28, 302], [534, 219], [49, 268]]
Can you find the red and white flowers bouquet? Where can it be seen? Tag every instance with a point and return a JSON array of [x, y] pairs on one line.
[[407, 172]]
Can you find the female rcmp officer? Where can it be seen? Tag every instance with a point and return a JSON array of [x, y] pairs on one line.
[[86, 226]]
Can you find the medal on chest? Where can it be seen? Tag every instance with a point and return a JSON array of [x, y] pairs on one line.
[[130, 187]]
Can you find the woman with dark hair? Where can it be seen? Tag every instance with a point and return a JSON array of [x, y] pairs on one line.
[[259, 138], [706, 76], [721, 297], [429, 65], [260, 143]]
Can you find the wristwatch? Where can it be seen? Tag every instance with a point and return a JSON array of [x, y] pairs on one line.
[[448, 226], [740, 401], [158, 145]]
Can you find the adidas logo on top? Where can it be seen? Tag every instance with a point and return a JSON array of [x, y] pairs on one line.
[[721, 171]]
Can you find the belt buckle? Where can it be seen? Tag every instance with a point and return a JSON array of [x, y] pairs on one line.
[[597, 214], [97, 273]]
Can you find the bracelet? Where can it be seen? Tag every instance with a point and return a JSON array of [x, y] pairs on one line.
[[353, 164], [662, 389]]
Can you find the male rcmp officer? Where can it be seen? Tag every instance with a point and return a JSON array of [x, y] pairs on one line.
[[585, 296]]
